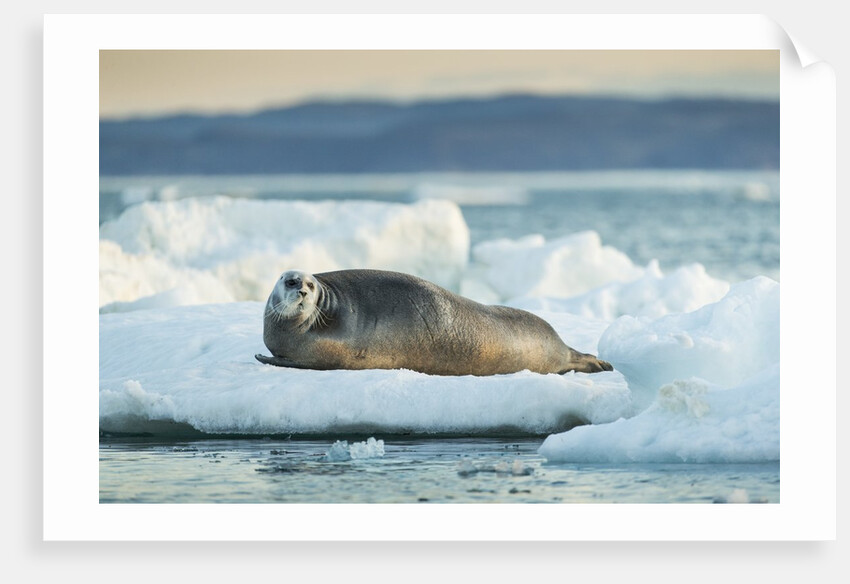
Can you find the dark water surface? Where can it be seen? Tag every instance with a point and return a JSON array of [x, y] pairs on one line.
[[410, 471]]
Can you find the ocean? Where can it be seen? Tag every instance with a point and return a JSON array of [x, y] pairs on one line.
[[656, 247], [409, 470]]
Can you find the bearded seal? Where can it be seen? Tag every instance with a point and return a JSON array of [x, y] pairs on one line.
[[371, 319]]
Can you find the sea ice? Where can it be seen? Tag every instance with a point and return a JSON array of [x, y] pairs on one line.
[[195, 366], [724, 342], [531, 266], [216, 249], [710, 377], [652, 295], [342, 451], [472, 195], [696, 361]]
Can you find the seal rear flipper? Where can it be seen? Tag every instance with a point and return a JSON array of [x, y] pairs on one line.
[[587, 363], [277, 361]]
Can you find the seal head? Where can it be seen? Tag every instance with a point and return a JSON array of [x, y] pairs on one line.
[[294, 301]]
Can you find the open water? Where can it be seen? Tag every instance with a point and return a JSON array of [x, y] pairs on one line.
[[410, 471]]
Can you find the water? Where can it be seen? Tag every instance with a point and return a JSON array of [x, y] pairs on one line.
[[735, 239], [410, 471], [728, 221]]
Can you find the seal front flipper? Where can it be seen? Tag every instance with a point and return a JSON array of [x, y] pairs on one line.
[[277, 361]]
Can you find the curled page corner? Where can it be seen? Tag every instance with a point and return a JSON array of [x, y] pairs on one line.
[[804, 55], [791, 44]]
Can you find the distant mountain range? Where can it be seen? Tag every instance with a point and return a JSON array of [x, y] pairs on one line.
[[508, 133]]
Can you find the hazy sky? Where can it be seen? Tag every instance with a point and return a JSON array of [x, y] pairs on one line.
[[147, 83]]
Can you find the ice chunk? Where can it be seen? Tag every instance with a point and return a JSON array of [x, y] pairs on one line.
[[724, 343], [652, 295], [561, 268], [219, 248], [698, 422], [342, 451], [710, 379]]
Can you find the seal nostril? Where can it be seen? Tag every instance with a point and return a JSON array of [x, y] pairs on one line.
[[303, 293]]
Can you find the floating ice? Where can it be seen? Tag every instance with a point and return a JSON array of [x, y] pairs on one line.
[[467, 467], [472, 194], [504, 269], [724, 342], [711, 377], [208, 250], [193, 367], [704, 423], [652, 295], [697, 362], [342, 451], [133, 281], [216, 249]]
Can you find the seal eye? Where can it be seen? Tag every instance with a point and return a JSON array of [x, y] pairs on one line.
[[290, 282], [310, 285]]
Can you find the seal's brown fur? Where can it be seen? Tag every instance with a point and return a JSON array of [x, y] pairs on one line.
[[370, 319]]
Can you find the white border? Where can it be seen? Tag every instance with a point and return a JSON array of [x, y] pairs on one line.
[[71, 509]]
